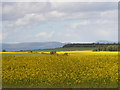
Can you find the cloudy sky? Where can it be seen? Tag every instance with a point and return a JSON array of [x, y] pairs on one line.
[[60, 21]]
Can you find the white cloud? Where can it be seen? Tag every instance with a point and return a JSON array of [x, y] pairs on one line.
[[56, 14], [53, 8], [0, 36], [78, 24], [103, 33], [29, 19], [45, 34], [71, 7], [86, 17], [14, 11], [32, 13], [110, 14], [3, 36]]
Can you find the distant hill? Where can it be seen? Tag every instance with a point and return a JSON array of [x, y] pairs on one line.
[[47, 45], [31, 45]]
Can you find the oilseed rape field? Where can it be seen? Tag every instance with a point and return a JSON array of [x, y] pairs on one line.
[[79, 69]]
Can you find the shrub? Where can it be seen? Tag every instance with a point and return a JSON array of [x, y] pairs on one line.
[[53, 52], [107, 48], [3, 50], [66, 54], [43, 53], [30, 52]]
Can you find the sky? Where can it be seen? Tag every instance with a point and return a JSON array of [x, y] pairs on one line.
[[59, 21]]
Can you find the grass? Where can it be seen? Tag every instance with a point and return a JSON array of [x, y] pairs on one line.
[[67, 49]]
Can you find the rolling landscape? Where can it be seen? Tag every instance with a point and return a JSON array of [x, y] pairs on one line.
[[59, 45], [31, 46], [71, 66], [42, 46]]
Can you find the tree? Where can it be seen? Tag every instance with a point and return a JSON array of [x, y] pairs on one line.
[[107, 48], [30, 51], [66, 54], [3, 50], [53, 52]]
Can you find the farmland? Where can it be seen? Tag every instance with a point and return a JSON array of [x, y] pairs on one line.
[[67, 49], [80, 69]]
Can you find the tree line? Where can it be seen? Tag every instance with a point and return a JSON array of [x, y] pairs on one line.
[[97, 46], [107, 48]]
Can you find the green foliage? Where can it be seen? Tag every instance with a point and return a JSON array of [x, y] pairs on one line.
[[30, 51], [79, 45], [3, 50], [107, 48], [99, 46], [66, 54], [53, 52]]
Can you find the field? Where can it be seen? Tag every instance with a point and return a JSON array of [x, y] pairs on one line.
[[67, 49], [79, 69]]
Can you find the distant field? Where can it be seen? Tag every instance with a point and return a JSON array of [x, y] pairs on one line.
[[27, 52], [80, 69], [67, 49], [87, 52]]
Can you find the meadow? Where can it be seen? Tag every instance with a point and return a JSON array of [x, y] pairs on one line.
[[79, 69]]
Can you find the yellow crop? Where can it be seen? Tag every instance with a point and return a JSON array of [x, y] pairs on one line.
[[13, 52], [78, 70]]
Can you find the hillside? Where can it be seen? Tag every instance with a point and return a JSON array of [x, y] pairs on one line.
[[31, 45]]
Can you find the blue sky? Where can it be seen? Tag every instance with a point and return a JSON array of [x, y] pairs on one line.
[[61, 21]]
